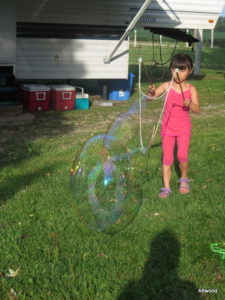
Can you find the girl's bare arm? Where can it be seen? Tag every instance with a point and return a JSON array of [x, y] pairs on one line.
[[195, 102], [156, 92]]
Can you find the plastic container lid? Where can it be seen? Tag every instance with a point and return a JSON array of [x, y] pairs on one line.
[[35, 87], [80, 95], [62, 87]]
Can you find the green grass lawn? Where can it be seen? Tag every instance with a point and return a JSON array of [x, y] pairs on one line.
[[164, 254]]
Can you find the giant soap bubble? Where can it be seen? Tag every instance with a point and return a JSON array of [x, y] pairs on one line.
[[126, 126], [103, 184]]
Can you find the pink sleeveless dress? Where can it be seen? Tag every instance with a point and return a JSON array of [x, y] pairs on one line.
[[176, 118]]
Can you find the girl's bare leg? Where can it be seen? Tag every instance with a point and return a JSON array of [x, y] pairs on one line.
[[166, 172], [184, 183], [184, 169]]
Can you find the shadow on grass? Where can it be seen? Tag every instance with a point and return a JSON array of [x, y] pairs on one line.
[[18, 140], [160, 279], [14, 184], [197, 77], [213, 58], [221, 73]]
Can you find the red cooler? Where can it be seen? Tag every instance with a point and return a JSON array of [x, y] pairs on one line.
[[62, 97], [36, 97]]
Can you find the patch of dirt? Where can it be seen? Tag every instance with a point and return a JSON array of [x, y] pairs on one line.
[[211, 110]]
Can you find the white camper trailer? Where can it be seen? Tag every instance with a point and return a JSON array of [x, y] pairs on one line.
[[69, 39]]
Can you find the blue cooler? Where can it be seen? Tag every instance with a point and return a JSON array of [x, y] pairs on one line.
[[120, 89], [82, 99]]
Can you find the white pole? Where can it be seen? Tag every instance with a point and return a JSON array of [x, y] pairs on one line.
[[198, 51], [160, 39], [135, 38], [187, 45], [108, 58], [212, 38]]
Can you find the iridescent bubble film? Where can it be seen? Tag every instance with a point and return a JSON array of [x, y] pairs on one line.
[[103, 185], [126, 125]]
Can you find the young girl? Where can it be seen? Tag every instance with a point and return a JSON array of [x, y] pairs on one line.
[[176, 124]]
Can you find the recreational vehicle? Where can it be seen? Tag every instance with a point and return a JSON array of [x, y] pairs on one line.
[[52, 39]]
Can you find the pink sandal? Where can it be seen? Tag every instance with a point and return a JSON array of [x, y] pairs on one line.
[[165, 192], [184, 187]]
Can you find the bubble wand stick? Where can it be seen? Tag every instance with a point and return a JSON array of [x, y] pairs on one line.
[[177, 72]]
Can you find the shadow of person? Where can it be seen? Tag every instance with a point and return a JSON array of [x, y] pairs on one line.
[[160, 279]]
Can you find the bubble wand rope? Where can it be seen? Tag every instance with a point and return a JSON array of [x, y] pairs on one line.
[[155, 128], [160, 117], [141, 63], [140, 108]]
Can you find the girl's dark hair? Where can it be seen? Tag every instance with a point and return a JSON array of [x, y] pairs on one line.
[[181, 61]]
